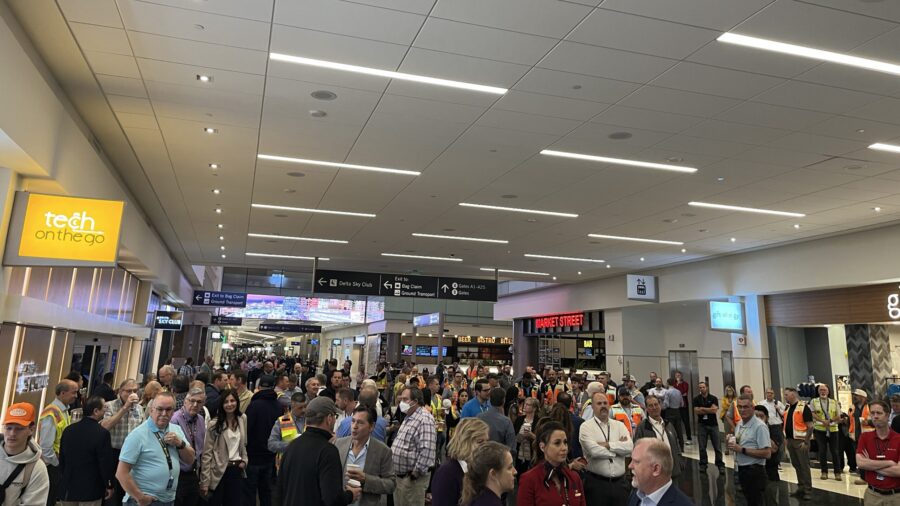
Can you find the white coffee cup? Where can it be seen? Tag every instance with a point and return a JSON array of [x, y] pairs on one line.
[[353, 483]]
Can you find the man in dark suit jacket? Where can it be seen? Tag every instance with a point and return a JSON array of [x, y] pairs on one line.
[[377, 473], [86, 457], [651, 463]]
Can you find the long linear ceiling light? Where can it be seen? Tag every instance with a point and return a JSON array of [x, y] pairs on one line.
[[519, 210], [307, 210], [619, 161], [277, 158], [880, 146], [808, 52], [572, 259], [387, 73], [746, 209], [461, 238], [293, 257], [509, 271], [422, 257], [635, 239], [295, 238]]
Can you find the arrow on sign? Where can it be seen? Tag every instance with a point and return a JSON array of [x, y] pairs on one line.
[[444, 288], [198, 297], [388, 285], [321, 281]]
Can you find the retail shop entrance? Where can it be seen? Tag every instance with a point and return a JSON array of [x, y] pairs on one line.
[[561, 340]]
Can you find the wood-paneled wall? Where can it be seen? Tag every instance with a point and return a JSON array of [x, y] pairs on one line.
[[861, 304]]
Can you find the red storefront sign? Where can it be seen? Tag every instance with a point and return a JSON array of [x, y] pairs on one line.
[[559, 320]]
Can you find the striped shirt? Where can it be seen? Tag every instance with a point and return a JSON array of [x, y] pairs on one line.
[[416, 443]]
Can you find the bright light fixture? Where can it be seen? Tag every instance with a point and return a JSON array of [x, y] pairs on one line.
[[573, 259], [220, 226], [210, 130], [880, 146], [307, 210], [386, 73], [203, 78], [422, 257], [745, 209], [295, 238], [808, 52], [223, 256], [683, 250], [460, 238], [214, 166], [509, 271], [519, 210], [635, 239], [305, 161], [216, 191], [734, 239], [272, 255], [222, 248], [218, 210], [620, 161], [642, 259], [221, 237]]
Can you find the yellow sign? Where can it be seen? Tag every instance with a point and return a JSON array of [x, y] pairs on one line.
[[589, 344], [71, 228]]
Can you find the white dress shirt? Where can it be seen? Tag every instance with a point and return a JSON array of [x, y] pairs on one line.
[[653, 498], [776, 411], [659, 429], [602, 461]]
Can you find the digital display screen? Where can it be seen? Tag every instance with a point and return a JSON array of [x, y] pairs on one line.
[[313, 309], [407, 349], [434, 351], [726, 316]]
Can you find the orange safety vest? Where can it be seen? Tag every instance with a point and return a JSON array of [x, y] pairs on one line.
[[800, 427], [637, 416], [552, 392], [534, 391], [864, 416]]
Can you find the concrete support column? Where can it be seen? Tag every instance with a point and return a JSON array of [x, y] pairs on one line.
[[525, 349]]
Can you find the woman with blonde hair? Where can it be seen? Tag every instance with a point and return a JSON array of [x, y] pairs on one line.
[[491, 474], [471, 433], [525, 427], [727, 401]]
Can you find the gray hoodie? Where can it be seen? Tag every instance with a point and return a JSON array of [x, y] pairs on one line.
[[38, 486]]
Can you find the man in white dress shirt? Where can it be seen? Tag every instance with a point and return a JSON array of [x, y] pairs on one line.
[[606, 444]]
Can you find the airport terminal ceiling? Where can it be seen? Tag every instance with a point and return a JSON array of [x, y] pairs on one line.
[[252, 146]]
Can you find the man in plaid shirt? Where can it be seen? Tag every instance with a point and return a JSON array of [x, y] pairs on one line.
[[120, 417], [413, 449]]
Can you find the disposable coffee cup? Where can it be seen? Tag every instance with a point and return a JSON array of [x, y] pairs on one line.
[[353, 483]]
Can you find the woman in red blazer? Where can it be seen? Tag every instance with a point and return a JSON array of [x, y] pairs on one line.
[[550, 482]]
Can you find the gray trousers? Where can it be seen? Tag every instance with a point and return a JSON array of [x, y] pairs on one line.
[[411, 492], [798, 449], [711, 432]]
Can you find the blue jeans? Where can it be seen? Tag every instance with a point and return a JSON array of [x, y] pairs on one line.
[[711, 432], [259, 480]]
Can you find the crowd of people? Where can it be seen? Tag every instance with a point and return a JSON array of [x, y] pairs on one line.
[[273, 430]]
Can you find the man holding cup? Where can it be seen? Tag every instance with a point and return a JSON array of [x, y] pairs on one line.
[[120, 417], [367, 462]]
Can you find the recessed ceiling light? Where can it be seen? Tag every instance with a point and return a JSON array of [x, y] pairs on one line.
[[642, 259], [860, 130], [289, 190], [519, 210], [221, 237], [337, 165], [460, 238], [509, 271], [576, 87], [210, 130], [608, 266], [572, 259], [720, 179], [423, 257], [204, 78], [531, 220], [674, 159], [579, 273], [796, 225], [294, 257], [808, 52], [323, 95], [307, 210], [317, 113], [387, 73], [670, 220], [876, 209], [216, 191], [734, 239], [199, 27], [745, 209], [218, 210], [222, 248], [619, 161], [683, 250], [223, 256], [295, 174], [618, 136], [295, 238], [220, 226], [554, 278], [214, 166], [634, 239], [880, 146]]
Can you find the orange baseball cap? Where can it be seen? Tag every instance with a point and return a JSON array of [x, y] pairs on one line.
[[21, 413]]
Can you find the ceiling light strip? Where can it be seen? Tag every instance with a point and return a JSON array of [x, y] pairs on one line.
[[295, 238], [746, 209], [635, 239], [519, 210], [460, 238], [510, 271], [294, 257], [571, 259], [307, 210], [808, 52], [880, 146], [620, 161], [277, 158], [387, 73], [422, 257]]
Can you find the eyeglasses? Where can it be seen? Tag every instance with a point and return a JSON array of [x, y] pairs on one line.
[[194, 401]]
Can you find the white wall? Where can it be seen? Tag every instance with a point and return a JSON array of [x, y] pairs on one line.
[[895, 348]]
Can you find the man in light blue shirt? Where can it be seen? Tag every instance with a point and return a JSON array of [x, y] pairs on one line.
[[480, 401], [751, 445], [149, 461]]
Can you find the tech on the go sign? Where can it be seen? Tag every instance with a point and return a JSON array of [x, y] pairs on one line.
[[58, 230]]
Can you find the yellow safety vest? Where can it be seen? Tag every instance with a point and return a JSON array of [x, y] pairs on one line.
[[437, 410], [60, 419], [289, 430], [832, 407]]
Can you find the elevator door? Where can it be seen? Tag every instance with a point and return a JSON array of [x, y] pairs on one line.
[[686, 362]]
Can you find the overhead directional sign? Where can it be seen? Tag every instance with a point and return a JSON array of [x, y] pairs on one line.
[[290, 327], [401, 285], [228, 321], [427, 320], [219, 299]]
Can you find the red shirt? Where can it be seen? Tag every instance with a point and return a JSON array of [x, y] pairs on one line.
[[683, 388], [533, 492], [876, 447]]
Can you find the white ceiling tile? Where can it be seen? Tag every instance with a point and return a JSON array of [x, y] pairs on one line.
[[811, 25], [246, 118], [577, 86], [720, 54], [855, 167], [678, 102], [115, 85], [550, 19], [186, 75], [703, 146], [886, 110], [646, 119], [810, 180], [715, 81], [876, 184], [429, 109], [849, 128], [130, 120], [772, 116], [876, 9], [715, 14], [94, 12], [640, 34], [603, 62], [664, 155], [101, 38], [843, 76], [133, 105], [736, 132], [499, 118], [292, 98], [304, 139], [212, 98], [598, 136], [546, 105], [848, 193], [810, 143], [157, 47], [776, 156], [482, 42], [261, 11], [350, 18], [112, 64], [815, 97], [736, 171], [416, 6]]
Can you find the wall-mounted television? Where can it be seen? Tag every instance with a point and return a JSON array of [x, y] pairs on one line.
[[407, 349], [313, 309], [727, 317]]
